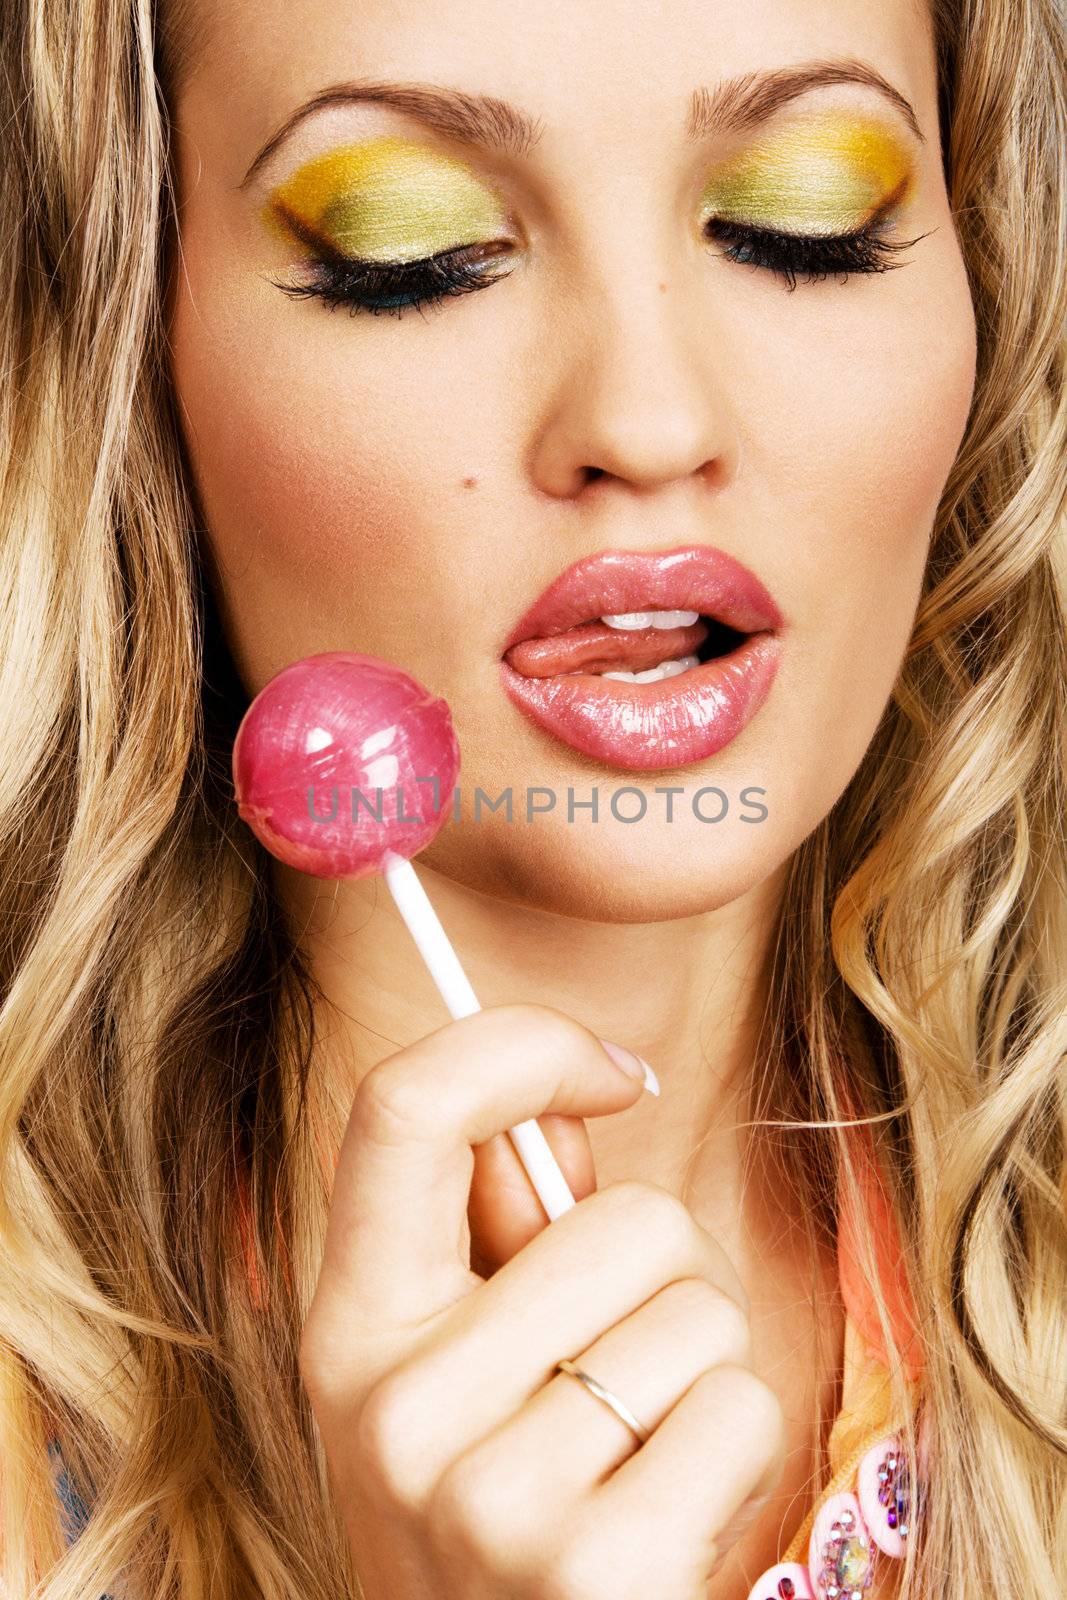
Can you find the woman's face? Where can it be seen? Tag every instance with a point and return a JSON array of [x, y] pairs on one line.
[[408, 485]]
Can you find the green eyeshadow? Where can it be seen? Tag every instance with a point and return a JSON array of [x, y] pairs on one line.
[[388, 199], [823, 173]]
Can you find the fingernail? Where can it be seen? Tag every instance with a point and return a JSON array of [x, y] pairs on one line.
[[633, 1066]]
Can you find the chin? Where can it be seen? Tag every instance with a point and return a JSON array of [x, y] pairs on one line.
[[645, 872]]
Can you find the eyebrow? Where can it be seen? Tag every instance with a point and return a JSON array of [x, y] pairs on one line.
[[734, 105]]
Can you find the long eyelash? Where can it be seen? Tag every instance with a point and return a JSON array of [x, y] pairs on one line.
[[813, 256], [409, 285], [393, 285]]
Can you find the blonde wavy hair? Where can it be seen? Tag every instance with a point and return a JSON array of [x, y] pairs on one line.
[[156, 1028]]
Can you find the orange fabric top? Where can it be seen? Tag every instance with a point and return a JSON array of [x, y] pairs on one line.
[[866, 1415], [877, 1218]]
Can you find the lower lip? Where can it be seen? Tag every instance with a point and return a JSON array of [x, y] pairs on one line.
[[644, 726]]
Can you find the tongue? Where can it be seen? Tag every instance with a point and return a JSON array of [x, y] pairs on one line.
[[596, 647]]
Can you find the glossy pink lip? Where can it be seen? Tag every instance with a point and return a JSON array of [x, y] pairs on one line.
[[679, 720], [688, 578]]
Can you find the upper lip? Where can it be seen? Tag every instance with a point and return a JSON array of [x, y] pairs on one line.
[[684, 578]]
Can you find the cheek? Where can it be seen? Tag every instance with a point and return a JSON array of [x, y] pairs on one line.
[[319, 455], [861, 426], [848, 457], [900, 416]]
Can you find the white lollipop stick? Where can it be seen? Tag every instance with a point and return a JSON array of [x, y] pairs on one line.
[[454, 987]]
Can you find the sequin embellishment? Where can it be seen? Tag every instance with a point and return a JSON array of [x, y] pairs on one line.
[[886, 1495], [787, 1581], [841, 1558]]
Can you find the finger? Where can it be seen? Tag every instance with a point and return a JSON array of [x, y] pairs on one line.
[[494, 1350], [564, 1442], [596, 1264], [393, 1252], [503, 1211], [662, 1522]]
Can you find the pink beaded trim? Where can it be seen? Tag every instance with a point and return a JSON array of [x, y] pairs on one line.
[[851, 1533]]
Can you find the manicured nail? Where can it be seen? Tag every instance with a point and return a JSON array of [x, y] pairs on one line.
[[634, 1066]]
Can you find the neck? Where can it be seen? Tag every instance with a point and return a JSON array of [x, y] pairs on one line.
[[687, 994]]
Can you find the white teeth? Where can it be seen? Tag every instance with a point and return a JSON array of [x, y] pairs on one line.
[[666, 669], [632, 620]]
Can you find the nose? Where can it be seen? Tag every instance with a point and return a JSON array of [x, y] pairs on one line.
[[635, 389]]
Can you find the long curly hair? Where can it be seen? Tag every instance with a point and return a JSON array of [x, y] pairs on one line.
[[156, 1030]]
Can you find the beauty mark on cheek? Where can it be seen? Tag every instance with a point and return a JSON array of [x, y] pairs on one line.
[[387, 199], [824, 173]]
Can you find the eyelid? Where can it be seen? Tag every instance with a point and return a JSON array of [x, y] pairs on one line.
[[830, 169], [388, 198]]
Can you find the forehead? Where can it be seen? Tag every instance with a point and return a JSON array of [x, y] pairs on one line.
[[622, 71]]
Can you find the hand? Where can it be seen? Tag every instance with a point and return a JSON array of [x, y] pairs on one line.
[[465, 1466]]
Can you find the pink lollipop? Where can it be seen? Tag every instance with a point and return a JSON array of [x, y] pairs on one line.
[[342, 758], [344, 766]]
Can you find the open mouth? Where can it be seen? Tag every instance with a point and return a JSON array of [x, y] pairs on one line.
[[639, 647], [722, 640], [653, 688]]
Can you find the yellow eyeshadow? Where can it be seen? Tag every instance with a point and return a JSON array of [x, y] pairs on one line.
[[824, 173], [387, 199]]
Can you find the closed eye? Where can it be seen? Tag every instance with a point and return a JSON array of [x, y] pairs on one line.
[[378, 286], [395, 286]]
